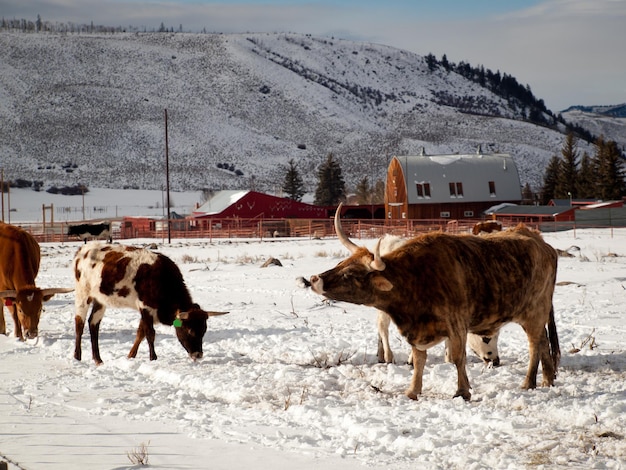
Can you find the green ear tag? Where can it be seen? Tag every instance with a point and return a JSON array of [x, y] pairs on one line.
[[178, 323]]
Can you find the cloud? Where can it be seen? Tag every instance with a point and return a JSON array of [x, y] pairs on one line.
[[569, 52]]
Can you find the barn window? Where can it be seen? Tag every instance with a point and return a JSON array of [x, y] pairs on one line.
[[468, 214], [456, 189], [423, 190], [492, 188], [444, 215]]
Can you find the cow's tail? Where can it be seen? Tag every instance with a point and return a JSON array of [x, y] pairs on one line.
[[554, 341]]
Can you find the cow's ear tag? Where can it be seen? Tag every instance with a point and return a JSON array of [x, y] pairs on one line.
[[178, 323]]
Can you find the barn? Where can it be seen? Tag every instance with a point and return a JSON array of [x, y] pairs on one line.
[[458, 186], [251, 204]]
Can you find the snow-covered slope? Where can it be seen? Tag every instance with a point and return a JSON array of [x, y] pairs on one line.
[[90, 109], [599, 123]]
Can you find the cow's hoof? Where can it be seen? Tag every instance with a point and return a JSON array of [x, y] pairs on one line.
[[411, 394], [465, 394]]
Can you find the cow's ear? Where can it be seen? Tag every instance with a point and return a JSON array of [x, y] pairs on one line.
[[381, 283], [183, 315]]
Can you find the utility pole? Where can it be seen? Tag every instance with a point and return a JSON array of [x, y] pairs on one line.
[[167, 182], [2, 188]]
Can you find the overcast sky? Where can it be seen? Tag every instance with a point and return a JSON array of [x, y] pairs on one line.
[[569, 51]]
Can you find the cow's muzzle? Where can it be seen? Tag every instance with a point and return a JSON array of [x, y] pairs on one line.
[[196, 355], [32, 333], [317, 284]]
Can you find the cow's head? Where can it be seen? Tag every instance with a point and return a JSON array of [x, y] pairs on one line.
[[190, 329], [358, 279], [485, 347], [28, 303]]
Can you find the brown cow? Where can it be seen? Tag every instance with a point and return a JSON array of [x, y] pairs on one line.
[[488, 226], [20, 257], [440, 286], [127, 277]]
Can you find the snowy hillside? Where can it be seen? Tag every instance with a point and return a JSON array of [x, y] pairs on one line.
[[90, 109], [598, 123], [618, 110]]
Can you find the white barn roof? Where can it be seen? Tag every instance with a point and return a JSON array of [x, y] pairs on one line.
[[220, 201], [482, 177]]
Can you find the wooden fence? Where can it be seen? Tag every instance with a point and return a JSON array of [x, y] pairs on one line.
[[251, 228], [278, 228]]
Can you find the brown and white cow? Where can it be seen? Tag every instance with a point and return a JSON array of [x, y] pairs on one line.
[[440, 286], [127, 277], [19, 264]]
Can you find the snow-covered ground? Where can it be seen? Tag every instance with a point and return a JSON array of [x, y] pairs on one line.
[[291, 381]]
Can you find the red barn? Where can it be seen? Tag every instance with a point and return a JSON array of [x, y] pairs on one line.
[[252, 205]]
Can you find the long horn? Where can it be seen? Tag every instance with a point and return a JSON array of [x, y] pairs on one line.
[[377, 264], [8, 293], [214, 314], [343, 238], [56, 290]]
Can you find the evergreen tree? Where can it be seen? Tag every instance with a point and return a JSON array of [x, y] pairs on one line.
[[444, 62], [550, 179], [586, 178], [527, 194], [330, 187], [567, 179], [610, 170], [378, 192], [431, 61], [293, 186], [363, 192]]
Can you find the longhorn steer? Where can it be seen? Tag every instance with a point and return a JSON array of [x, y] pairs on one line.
[[440, 286], [127, 277], [20, 257], [485, 347]]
